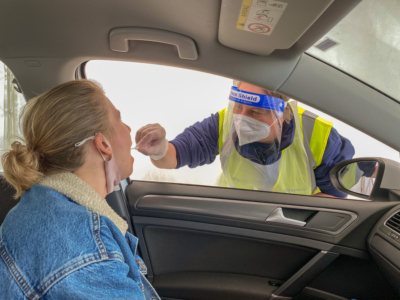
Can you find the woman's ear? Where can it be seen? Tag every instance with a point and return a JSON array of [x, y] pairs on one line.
[[103, 146]]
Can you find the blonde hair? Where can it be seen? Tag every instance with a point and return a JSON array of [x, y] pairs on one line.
[[287, 113], [51, 124]]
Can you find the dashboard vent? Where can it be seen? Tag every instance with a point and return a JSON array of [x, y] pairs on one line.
[[394, 222]]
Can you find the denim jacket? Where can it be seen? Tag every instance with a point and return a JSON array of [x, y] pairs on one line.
[[62, 241]]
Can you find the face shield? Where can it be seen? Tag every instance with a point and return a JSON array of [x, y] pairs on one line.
[[255, 128], [250, 145]]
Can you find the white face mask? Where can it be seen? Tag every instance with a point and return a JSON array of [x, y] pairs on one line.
[[113, 176], [250, 130]]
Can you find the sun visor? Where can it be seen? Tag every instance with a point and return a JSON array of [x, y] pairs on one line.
[[262, 26]]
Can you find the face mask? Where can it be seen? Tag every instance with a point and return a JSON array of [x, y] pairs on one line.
[[250, 130], [113, 176]]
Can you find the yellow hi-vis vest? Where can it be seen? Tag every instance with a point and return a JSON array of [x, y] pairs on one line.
[[350, 176], [296, 175]]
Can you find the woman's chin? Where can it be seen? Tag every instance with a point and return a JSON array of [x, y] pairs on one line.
[[127, 171]]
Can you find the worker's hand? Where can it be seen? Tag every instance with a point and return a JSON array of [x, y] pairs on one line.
[[375, 172], [324, 195], [151, 141]]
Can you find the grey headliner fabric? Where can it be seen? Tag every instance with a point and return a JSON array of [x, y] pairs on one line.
[[61, 35]]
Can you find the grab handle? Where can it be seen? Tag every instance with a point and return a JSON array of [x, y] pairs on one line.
[[278, 217], [120, 37]]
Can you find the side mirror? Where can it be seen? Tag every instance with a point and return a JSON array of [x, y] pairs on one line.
[[372, 178]]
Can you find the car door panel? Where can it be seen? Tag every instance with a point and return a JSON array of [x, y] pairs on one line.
[[354, 236], [181, 250], [214, 243], [213, 286]]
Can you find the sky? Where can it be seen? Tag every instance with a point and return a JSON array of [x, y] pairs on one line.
[[177, 98]]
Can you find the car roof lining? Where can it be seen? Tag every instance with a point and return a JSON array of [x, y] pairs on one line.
[[78, 30], [61, 36]]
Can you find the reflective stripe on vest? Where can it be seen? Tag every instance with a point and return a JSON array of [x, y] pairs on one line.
[[221, 115], [315, 132]]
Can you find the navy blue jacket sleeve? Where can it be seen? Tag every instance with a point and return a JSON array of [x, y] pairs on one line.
[[198, 144], [368, 167], [337, 150]]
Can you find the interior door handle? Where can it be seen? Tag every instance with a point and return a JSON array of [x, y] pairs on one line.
[[278, 217], [120, 37]]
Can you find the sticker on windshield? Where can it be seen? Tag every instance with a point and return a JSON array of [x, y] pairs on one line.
[[260, 16]]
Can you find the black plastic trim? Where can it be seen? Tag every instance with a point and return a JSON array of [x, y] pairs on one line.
[[295, 284], [390, 271], [212, 286], [141, 222], [234, 209], [386, 249], [80, 72], [377, 193], [353, 237], [396, 238]]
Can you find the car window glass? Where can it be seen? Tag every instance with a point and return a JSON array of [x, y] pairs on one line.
[[177, 98], [11, 104], [366, 45], [364, 146]]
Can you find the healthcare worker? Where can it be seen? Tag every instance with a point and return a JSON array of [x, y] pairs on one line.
[[264, 142]]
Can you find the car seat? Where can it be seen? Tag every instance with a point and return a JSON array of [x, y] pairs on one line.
[[7, 200]]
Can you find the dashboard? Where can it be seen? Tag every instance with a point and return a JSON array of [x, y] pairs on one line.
[[384, 246]]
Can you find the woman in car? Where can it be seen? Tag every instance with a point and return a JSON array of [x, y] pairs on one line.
[[62, 240]]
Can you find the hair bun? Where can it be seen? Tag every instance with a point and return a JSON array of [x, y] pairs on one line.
[[21, 167]]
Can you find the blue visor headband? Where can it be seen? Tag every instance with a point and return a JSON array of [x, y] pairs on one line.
[[256, 100]]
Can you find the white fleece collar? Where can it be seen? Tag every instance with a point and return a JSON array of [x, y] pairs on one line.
[[79, 191]]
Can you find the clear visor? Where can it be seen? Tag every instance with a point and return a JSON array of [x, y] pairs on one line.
[[255, 119]]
